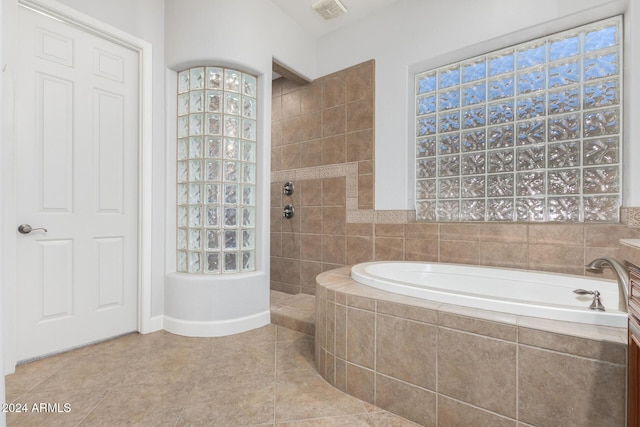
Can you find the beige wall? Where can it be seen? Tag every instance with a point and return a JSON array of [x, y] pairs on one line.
[[323, 141]]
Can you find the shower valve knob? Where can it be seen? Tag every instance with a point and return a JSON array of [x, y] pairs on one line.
[[288, 212]]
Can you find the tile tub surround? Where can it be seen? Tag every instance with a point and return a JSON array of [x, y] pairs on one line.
[[445, 365]]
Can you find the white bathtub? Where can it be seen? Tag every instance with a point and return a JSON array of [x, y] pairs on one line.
[[519, 292]]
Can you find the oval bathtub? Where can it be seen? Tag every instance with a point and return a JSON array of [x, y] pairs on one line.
[[519, 292]]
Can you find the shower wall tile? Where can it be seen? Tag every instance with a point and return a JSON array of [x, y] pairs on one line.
[[460, 252], [556, 258], [360, 145], [311, 247], [360, 337], [413, 403], [311, 98], [291, 104], [333, 249], [477, 326], [334, 191], [359, 230], [333, 90], [360, 83], [365, 192], [334, 149], [333, 220], [509, 255], [310, 219], [418, 230], [334, 121], [310, 192], [360, 115], [311, 153], [453, 413], [359, 249], [508, 233], [389, 230], [557, 234], [389, 249], [421, 250]]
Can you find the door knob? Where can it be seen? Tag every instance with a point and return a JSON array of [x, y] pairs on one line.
[[26, 229]]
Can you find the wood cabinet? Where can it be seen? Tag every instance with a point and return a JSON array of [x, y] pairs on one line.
[[633, 385]]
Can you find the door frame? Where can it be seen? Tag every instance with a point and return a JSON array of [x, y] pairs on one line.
[[8, 234]]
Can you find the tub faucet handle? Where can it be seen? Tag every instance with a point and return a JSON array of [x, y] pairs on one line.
[[596, 304]]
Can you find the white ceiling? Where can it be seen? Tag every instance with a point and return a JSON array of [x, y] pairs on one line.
[[307, 18]]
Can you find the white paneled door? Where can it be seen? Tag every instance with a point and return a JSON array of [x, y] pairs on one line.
[[76, 114]]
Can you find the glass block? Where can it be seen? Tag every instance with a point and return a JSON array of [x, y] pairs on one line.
[[500, 209], [195, 239], [474, 71], [195, 262], [426, 168], [426, 126], [564, 101], [473, 164], [501, 161], [249, 108], [249, 129], [213, 216], [182, 238], [449, 77], [183, 126], [195, 124], [449, 100], [449, 166], [602, 209], [181, 264], [426, 210], [564, 127], [230, 262], [605, 65], [449, 144], [248, 261], [230, 217], [248, 195], [213, 239], [232, 103], [474, 140], [474, 117], [213, 193], [449, 188], [214, 124], [602, 94], [232, 80], [195, 147], [530, 209], [195, 170], [182, 196], [183, 104], [182, 172], [231, 149], [500, 113], [449, 122], [601, 151], [564, 47], [601, 38], [531, 81], [214, 101], [213, 147], [231, 126], [213, 263], [530, 55], [249, 85], [603, 122], [426, 83], [426, 105], [565, 181], [230, 194], [182, 216], [531, 132], [601, 180], [249, 151], [183, 81], [231, 171], [474, 94], [500, 136], [214, 78], [230, 239], [196, 78], [248, 217], [501, 88], [563, 209], [564, 74], [213, 170], [248, 239], [564, 154], [473, 186], [195, 216], [196, 102], [248, 173], [425, 147], [183, 149], [448, 210], [530, 183], [530, 157], [195, 194], [425, 189], [500, 63], [472, 210], [531, 107]]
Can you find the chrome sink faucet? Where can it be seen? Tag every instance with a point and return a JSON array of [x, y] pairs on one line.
[[623, 278]]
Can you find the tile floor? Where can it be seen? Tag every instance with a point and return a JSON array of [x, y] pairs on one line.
[[264, 377]]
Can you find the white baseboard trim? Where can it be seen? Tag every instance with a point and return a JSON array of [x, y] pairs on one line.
[[219, 328]]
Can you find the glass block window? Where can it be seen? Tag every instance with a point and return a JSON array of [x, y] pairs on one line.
[[216, 171], [528, 133]]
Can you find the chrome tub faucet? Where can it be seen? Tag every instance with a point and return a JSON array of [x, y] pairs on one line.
[[623, 278]]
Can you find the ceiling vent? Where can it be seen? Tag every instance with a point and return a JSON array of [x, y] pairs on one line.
[[329, 9]]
